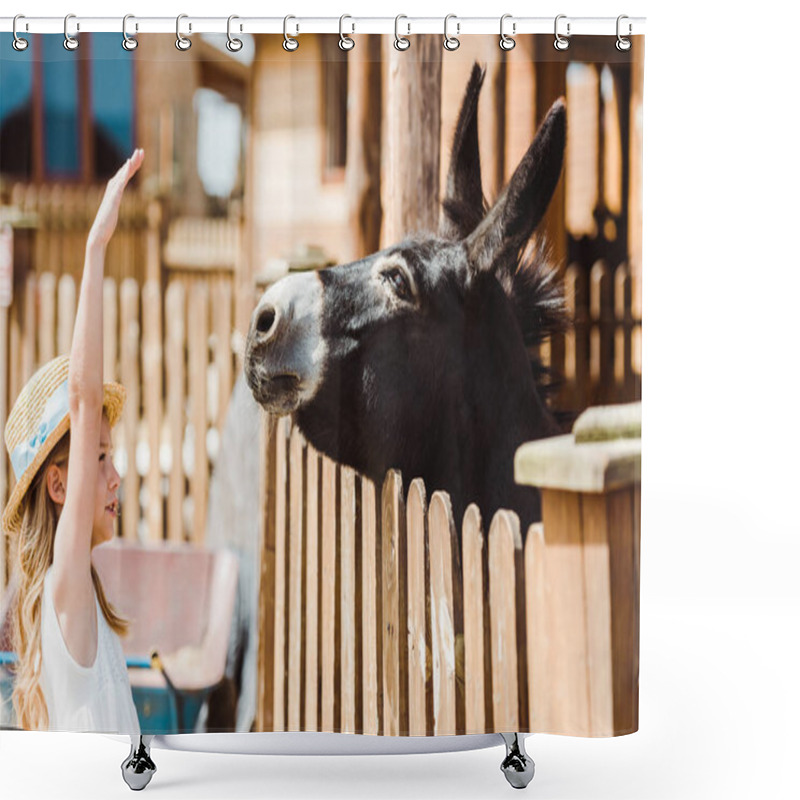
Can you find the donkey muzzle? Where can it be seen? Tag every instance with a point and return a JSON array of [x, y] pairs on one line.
[[285, 350]]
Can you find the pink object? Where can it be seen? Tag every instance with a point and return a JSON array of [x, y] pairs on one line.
[[179, 600]]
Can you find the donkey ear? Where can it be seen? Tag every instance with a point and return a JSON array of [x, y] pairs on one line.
[[462, 206], [520, 208]]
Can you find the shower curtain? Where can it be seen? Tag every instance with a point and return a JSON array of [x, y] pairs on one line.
[[377, 311]]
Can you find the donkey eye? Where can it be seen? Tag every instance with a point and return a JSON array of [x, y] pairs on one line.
[[399, 282]]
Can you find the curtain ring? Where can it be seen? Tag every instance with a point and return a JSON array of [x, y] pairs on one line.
[[70, 42], [451, 42], [128, 42], [400, 42], [234, 45], [561, 43], [623, 44], [181, 42], [289, 43], [506, 42], [18, 44], [345, 42]]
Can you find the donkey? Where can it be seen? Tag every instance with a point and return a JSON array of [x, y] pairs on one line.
[[417, 357]]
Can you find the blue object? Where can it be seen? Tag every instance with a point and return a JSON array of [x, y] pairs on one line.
[[159, 709]]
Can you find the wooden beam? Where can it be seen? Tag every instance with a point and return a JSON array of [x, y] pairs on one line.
[[412, 123]]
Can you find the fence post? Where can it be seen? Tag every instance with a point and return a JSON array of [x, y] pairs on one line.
[[582, 575], [410, 184]]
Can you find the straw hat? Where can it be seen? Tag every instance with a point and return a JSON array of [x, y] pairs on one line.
[[38, 420]]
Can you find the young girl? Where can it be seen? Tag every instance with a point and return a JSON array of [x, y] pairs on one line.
[[71, 672]]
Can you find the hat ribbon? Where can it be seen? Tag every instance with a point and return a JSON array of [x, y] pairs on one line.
[[56, 408]]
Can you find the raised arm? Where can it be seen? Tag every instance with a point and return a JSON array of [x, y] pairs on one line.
[[72, 585]]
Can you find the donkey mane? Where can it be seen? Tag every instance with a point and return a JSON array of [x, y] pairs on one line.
[[537, 296]]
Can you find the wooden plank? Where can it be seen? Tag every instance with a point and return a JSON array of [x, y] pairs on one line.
[[279, 702], [153, 242], [476, 676], [394, 613], [505, 544], [623, 336], [223, 355], [418, 649], [175, 355], [371, 609], [328, 596], [265, 687], [312, 587], [537, 629], [623, 534], [129, 338], [560, 652], [152, 354], [47, 318], [492, 113], [347, 570], [446, 614], [15, 345], [597, 576], [295, 580], [110, 328], [198, 364], [66, 313]]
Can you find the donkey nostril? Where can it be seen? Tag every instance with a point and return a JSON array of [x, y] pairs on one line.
[[266, 319]]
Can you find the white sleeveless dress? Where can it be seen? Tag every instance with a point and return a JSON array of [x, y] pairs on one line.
[[96, 698]]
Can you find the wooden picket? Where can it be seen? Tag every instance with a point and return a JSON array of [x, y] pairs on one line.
[[329, 622], [477, 710], [371, 610], [416, 514], [312, 589]]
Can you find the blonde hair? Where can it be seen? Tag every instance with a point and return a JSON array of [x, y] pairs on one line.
[[33, 555]]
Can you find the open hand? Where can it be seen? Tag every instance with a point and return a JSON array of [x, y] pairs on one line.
[[106, 220]]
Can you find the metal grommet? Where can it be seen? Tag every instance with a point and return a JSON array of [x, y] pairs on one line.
[[70, 42], [451, 42], [561, 43], [18, 44], [234, 45], [290, 44], [181, 42], [506, 42], [128, 42], [345, 42], [400, 42], [623, 44]]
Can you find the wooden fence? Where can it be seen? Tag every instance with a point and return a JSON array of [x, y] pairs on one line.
[[601, 359], [376, 617], [61, 216], [173, 354]]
